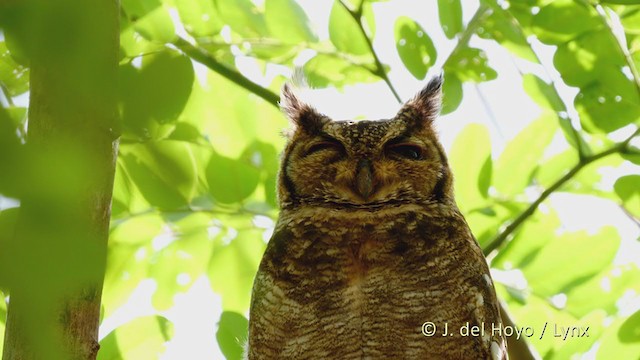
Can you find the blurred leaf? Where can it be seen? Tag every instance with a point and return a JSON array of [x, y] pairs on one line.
[[324, 70], [8, 221], [233, 266], [165, 172], [452, 93], [156, 94], [199, 17], [136, 230], [243, 17], [414, 46], [549, 273], [469, 153], [542, 93], [12, 154], [287, 21], [232, 334], [344, 31], [182, 260], [628, 189], [124, 273], [470, 64], [151, 19], [141, 339], [534, 235], [604, 290], [621, 2], [13, 76], [231, 180], [450, 15], [503, 28], [622, 339], [562, 20], [522, 155]]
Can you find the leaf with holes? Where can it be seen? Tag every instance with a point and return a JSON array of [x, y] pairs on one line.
[[414, 46]]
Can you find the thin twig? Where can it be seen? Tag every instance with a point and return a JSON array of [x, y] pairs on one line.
[[209, 61], [380, 71], [511, 228]]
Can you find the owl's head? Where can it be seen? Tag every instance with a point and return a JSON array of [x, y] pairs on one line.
[[364, 164]]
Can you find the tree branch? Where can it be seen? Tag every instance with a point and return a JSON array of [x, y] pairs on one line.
[[209, 61], [511, 228], [379, 71]]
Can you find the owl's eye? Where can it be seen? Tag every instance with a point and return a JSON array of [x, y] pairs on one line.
[[325, 145], [407, 151]]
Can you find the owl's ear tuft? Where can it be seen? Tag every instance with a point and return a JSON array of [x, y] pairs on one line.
[[301, 115], [425, 106]]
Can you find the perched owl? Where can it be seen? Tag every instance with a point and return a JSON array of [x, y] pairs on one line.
[[370, 245]]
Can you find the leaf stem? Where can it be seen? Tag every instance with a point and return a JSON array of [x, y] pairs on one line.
[[209, 61], [379, 71], [513, 226]]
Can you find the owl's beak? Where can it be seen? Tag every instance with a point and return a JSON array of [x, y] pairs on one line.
[[364, 178]]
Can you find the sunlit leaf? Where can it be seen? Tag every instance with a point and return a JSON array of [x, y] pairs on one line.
[[200, 17], [324, 70], [151, 19], [243, 17], [503, 28], [233, 266], [165, 172], [287, 21], [628, 189], [470, 64], [522, 154], [13, 76], [452, 92], [450, 14], [469, 153], [141, 339], [345, 32], [232, 334], [562, 20], [622, 339], [414, 46], [548, 273], [183, 256]]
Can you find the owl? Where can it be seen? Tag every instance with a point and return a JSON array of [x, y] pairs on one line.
[[370, 257]]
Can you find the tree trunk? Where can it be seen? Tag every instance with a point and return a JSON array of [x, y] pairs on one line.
[[59, 250]]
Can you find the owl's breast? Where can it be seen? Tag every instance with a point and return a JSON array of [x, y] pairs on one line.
[[368, 285]]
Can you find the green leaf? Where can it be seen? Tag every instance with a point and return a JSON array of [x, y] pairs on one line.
[[562, 20], [452, 92], [8, 260], [604, 290], [549, 273], [450, 15], [233, 266], [141, 339], [503, 28], [470, 64], [231, 180], [324, 70], [414, 46], [13, 76], [469, 154], [344, 31], [185, 258], [151, 19], [522, 155], [622, 339], [165, 172], [287, 21], [154, 96], [232, 334], [542, 93], [124, 273], [621, 2], [199, 17], [628, 189], [243, 17]]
